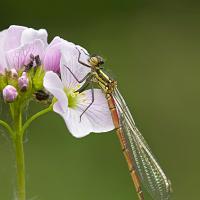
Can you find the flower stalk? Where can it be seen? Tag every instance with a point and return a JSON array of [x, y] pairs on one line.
[[16, 134], [19, 152]]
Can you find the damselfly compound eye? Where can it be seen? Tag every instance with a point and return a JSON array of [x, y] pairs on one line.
[[96, 60]]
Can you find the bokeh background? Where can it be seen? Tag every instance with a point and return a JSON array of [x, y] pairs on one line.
[[153, 49]]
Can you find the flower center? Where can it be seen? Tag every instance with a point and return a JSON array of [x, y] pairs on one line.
[[72, 97]]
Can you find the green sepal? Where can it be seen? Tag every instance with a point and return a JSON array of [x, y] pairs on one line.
[[3, 82], [12, 79], [38, 78]]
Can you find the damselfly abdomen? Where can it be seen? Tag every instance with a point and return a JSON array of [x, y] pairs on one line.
[[144, 169]]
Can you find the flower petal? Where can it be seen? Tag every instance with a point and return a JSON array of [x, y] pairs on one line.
[[13, 37], [53, 84], [76, 127], [96, 119], [2, 37], [29, 35], [20, 56], [3, 63], [53, 55], [56, 40], [69, 59]]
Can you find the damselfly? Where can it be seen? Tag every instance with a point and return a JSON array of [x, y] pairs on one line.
[[144, 169]]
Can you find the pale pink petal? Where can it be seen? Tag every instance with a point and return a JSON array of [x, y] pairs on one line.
[[3, 63], [53, 84], [96, 119], [60, 109], [76, 127], [13, 37], [29, 35], [53, 55], [20, 56], [56, 40], [52, 59], [69, 59], [51, 80], [3, 37]]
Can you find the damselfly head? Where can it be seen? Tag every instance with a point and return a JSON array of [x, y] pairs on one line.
[[96, 61]]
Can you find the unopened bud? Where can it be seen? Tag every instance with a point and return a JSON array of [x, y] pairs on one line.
[[13, 73], [12, 77], [23, 82], [9, 94]]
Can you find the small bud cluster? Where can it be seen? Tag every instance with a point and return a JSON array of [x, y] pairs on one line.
[[23, 83]]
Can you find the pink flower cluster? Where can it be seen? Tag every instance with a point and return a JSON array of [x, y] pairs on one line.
[[18, 43], [23, 48]]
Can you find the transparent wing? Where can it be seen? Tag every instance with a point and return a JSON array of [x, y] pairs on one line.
[[148, 169]]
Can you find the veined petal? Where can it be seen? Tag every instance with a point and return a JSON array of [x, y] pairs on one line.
[[19, 57], [53, 84], [3, 37], [29, 35], [58, 108], [52, 59], [69, 60], [53, 55], [3, 63], [51, 80], [13, 37], [96, 119], [56, 40], [76, 127]]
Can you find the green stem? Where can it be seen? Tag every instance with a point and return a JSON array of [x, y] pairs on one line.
[[28, 122], [8, 128], [17, 138], [19, 152], [19, 149]]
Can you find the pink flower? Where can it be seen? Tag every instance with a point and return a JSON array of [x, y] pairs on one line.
[[18, 43], [71, 104]]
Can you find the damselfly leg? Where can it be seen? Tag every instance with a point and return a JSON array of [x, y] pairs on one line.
[[79, 81], [143, 167], [79, 56], [88, 82], [92, 101]]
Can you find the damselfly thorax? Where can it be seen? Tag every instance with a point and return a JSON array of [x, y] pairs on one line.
[[102, 79], [143, 167]]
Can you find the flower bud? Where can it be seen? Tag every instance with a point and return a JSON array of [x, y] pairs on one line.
[[23, 82], [13, 73], [9, 94], [12, 77]]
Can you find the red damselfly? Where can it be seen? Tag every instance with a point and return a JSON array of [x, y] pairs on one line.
[[144, 169]]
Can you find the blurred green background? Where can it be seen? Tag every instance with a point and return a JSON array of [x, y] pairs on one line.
[[152, 48]]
